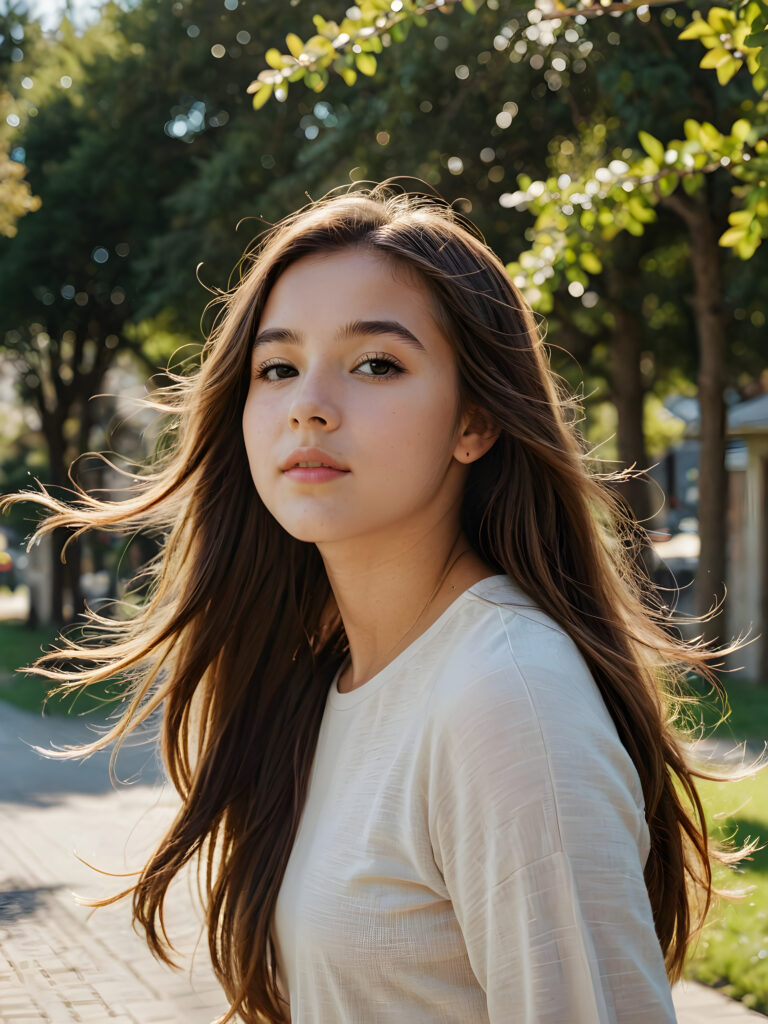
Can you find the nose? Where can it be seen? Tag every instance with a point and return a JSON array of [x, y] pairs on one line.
[[312, 402]]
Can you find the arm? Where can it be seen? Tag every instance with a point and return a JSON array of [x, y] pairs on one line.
[[537, 826]]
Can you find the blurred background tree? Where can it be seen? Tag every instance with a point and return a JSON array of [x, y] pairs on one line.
[[151, 166]]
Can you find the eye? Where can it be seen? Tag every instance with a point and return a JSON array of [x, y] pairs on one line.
[[392, 366], [382, 360], [261, 371]]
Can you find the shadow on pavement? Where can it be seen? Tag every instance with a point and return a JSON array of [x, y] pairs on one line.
[[31, 778], [17, 903]]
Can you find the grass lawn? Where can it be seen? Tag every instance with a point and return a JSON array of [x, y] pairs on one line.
[[21, 646], [732, 952]]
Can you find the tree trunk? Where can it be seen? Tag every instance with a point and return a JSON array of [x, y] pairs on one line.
[[52, 431], [709, 314], [627, 394]]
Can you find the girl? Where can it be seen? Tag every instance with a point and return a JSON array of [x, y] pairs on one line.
[[416, 699]]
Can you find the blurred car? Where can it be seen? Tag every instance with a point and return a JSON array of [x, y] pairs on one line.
[[7, 570], [13, 558]]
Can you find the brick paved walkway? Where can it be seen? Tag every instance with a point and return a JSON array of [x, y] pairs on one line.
[[62, 963]]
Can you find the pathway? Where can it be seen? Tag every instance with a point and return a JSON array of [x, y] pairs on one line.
[[62, 963]]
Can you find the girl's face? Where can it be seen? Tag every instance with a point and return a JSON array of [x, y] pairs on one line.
[[350, 360]]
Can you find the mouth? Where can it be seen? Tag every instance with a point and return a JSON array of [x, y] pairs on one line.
[[314, 474]]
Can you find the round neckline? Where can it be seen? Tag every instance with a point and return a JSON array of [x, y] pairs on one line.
[[353, 697]]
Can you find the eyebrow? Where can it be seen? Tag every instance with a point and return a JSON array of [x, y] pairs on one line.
[[350, 330]]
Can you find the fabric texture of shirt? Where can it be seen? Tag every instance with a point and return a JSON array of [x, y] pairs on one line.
[[472, 845]]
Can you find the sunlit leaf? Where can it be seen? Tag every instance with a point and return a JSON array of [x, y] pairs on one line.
[[727, 70], [712, 58], [721, 19], [696, 30], [692, 129], [294, 44], [741, 218], [652, 146], [740, 129], [366, 63], [731, 236], [274, 58], [590, 262], [261, 95], [710, 136]]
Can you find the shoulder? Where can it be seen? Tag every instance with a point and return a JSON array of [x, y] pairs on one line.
[[517, 692], [507, 654]]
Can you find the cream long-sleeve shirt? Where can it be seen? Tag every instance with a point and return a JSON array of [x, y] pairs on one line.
[[472, 845]]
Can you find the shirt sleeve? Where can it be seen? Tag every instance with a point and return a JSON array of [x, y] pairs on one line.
[[537, 826]]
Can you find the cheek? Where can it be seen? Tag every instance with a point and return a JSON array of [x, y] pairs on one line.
[[407, 445], [255, 434]]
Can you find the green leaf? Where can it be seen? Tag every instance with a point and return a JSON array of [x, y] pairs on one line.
[[740, 129], [757, 38], [294, 44], [746, 249], [741, 218], [696, 29], [668, 184], [751, 11], [731, 236], [727, 70], [261, 95], [721, 19], [399, 31], [692, 183], [652, 146], [639, 210], [366, 63], [319, 45], [692, 129], [274, 58], [469, 5], [710, 136], [712, 58], [574, 273], [317, 80], [590, 262]]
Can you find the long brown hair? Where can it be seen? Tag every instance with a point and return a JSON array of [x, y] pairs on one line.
[[237, 640]]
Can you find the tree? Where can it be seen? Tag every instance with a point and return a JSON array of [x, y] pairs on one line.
[[16, 198], [605, 200]]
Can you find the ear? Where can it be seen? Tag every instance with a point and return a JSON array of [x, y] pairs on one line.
[[477, 435]]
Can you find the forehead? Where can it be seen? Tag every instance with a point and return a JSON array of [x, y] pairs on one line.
[[340, 285]]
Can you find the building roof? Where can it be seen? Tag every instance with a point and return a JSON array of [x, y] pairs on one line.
[[743, 418], [750, 417]]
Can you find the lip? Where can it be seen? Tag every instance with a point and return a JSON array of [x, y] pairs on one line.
[[311, 455], [314, 474]]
